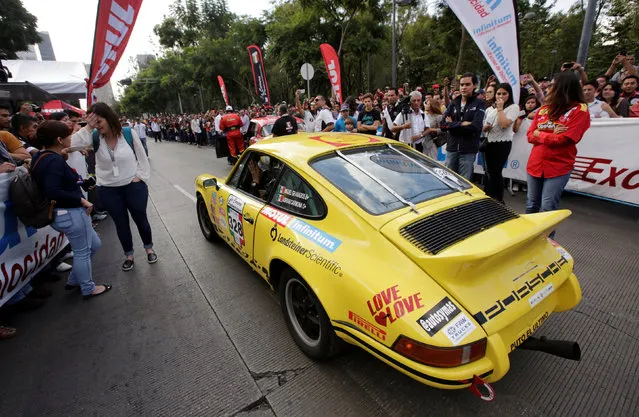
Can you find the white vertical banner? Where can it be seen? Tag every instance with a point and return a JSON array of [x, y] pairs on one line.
[[493, 26], [24, 251]]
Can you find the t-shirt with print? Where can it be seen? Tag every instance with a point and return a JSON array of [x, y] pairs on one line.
[[497, 134], [323, 119], [367, 118], [309, 121], [285, 125]]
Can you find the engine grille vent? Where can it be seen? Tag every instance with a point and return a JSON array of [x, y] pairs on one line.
[[435, 233]]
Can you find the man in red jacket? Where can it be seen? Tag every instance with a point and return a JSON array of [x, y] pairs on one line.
[[230, 124]]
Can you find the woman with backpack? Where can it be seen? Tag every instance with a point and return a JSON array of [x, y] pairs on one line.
[[72, 212], [121, 170]]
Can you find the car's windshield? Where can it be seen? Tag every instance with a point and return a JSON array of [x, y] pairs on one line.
[[385, 178]]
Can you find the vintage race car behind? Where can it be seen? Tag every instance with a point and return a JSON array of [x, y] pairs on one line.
[[370, 242], [260, 128]]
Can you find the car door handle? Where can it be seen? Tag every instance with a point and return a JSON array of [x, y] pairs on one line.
[[248, 218]]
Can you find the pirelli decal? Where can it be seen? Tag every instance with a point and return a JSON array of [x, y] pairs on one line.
[[521, 293]]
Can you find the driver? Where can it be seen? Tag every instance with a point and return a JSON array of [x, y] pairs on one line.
[[263, 176]]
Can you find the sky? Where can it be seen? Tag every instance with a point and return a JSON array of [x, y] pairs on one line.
[[71, 25]]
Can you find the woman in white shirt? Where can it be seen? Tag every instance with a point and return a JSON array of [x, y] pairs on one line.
[[121, 169], [499, 129]]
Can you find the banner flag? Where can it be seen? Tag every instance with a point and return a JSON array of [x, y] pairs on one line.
[[24, 251], [332, 69], [259, 74], [113, 28], [493, 26], [223, 89]]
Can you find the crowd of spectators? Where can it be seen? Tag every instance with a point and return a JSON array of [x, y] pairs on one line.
[[469, 115]]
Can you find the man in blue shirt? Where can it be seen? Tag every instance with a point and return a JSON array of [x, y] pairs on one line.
[[340, 126]]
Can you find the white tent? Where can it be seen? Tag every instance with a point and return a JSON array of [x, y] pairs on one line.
[[54, 77]]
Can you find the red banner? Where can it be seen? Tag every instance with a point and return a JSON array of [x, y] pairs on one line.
[[259, 74], [113, 28], [332, 69], [223, 88]]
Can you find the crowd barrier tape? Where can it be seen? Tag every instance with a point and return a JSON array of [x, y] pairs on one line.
[[24, 251], [606, 166]]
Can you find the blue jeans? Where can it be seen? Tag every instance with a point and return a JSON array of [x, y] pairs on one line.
[[119, 202], [461, 163], [76, 225], [146, 150], [544, 193]]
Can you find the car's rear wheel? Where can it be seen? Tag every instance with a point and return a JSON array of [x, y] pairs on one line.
[[206, 225], [306, 318]]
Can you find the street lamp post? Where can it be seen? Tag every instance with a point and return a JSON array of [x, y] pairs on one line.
[[394, 46]]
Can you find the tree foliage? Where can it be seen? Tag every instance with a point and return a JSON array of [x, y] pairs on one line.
[[17, 29], [202, 39]]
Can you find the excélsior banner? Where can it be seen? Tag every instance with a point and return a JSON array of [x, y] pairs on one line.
[[606, 164], [259, 74], [223, 89], [493, 26], [113, 28], [332, 69], [24, 251]]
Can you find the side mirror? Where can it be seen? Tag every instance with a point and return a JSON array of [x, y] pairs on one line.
[[253, 140]]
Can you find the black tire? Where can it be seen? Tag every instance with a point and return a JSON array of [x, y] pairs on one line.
[[305, 317], [206, 225]]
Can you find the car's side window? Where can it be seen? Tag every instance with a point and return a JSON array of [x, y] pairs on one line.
[[259, 175], [294, 195], [235, 179]]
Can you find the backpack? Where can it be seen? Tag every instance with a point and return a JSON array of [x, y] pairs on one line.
[[31, 205], [126, 132]]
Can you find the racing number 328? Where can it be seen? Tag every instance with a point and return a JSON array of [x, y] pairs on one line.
[[236, 225]]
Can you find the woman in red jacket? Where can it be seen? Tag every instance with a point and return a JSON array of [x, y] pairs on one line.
[[557, 128]]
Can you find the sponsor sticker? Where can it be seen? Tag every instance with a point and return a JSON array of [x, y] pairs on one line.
[[388, 305], [438, 316], [315, 235], [369, 327], [310, 232], [541, 295], [460, 327], [529, 332], [277, 216]]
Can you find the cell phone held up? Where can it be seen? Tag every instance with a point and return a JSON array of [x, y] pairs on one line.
[[567, 65]]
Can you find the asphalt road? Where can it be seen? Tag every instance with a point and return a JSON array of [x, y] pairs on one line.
[[199, 334]]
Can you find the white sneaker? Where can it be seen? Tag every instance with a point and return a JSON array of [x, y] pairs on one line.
[[68, 255], [99, 217], [63, 267]]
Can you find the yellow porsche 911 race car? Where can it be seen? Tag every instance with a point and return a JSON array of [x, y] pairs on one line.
[[370, 242]]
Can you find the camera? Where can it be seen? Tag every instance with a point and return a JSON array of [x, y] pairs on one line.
[[405, 103], [88, 184]]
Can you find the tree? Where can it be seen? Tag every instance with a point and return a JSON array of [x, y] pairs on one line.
[[17, 29]]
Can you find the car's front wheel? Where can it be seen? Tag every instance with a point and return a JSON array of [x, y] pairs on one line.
[[206, 225], [306, 319]]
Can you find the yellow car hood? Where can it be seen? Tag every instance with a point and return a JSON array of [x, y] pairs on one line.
[[498, 274]]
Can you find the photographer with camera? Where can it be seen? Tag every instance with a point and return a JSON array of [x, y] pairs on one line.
[[411, 123], [574, 66], [626, 60]]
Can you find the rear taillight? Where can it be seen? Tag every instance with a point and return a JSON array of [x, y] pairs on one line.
[[437, 356]]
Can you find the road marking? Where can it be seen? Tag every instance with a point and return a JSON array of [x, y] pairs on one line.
[[186, 193]]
